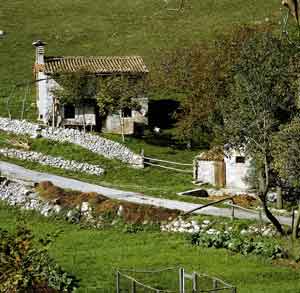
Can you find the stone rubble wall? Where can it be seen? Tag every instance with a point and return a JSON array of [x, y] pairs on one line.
[[56, 162], [93, 143]]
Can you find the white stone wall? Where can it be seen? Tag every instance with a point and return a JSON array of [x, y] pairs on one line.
[[56, 162], [206, 172], [94, 143]]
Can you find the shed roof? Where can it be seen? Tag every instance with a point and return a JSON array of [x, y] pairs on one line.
[[214, 154], [95, 64]]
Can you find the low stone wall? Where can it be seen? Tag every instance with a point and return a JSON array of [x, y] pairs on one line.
[[57, 162], [94, 143]]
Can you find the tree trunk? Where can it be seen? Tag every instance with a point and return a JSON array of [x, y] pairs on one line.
[[296, 224], [279, 204], [122, 125], [84, 122], [270, 216], [263, 176]]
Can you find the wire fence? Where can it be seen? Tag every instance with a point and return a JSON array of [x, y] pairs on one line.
[[169, 280], [19, 103]]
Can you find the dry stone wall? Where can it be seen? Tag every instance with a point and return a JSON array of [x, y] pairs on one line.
[[56, 162], [94, 143]]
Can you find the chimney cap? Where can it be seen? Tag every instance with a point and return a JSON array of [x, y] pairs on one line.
[[39, 43]]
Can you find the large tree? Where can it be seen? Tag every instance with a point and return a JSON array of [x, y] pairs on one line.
[[200, 74], [286, 154], [262, 98], [117, 93]]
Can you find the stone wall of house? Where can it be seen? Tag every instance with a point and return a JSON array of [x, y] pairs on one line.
[[56, 162], [93, 143]]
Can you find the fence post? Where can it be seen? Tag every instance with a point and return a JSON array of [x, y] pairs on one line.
[[195, 282], [215, 285], [181, 280], [118, 282], [133, 287], [232, 213], [293, 220]]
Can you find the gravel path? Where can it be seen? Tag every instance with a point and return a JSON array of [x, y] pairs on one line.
[[14, 172]]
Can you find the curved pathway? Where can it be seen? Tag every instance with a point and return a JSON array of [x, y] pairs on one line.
[[15, 172]]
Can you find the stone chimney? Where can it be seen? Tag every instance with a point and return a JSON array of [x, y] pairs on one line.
[[40, 51]]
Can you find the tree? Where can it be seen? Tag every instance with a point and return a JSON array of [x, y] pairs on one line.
[[262, 98], [77, 88], [200, 75], [286, 153], [117, 93]]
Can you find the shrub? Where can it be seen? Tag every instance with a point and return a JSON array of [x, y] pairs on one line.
[[25, 267], [245, 245]]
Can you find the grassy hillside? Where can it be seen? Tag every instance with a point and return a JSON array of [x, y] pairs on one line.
[[93, 256], [87, 27]]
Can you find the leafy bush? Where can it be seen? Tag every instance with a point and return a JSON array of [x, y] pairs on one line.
[[25, 267], [240, 244]]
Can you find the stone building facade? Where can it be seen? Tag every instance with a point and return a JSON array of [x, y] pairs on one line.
[[51, 112]]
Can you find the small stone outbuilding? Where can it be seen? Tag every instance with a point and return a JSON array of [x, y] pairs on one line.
[[222, 169]]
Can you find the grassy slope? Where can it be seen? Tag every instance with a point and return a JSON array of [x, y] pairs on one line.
[[87, 27], [93, 256], [151, 181]]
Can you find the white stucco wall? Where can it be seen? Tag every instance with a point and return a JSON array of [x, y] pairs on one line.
[[206, 172], [45, 96], [236, 172]]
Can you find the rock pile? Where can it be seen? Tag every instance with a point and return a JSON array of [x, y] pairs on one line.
[[56, 162], [94, 143], [24, 197], [17, 194]]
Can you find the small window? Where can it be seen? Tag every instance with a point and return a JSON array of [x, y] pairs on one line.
[[41, 116], [69, 111], [240, 160], [127, 112]]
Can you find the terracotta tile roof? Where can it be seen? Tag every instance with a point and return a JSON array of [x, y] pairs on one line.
[[97, 64]]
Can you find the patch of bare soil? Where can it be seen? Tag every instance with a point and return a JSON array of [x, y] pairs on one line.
[[242, 200], [131, 212]]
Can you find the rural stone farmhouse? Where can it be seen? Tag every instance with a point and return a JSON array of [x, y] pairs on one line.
[[49, 110], [223, 169]]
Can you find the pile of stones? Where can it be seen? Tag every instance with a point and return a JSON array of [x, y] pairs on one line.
[[94, 143], [24, 196], [207, 227], [181, 226], [56, 162]]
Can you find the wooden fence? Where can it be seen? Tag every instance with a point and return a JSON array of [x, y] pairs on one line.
[[184, 282], [156, 163]]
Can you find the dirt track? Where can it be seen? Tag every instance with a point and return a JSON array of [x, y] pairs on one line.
[[13, 171]]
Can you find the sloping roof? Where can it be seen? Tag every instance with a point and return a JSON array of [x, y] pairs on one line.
[[95, 64], [214, 154]]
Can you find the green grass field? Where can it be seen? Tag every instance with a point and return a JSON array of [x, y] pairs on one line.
[[92, 256], [116, 27]]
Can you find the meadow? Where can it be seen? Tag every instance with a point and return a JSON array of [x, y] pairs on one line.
[[94, 255], [116, 27]]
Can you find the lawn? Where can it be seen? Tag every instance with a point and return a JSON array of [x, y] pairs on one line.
[[116, 27], [94, 255]]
